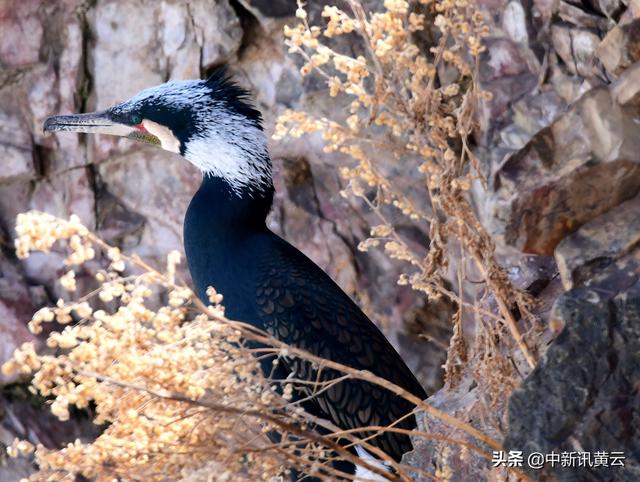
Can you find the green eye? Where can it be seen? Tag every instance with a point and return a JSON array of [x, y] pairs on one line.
[[136, 119]]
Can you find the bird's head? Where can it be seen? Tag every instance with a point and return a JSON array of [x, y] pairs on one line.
[[211, 123]]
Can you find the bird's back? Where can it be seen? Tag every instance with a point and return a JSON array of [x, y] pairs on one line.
[[298, 303]]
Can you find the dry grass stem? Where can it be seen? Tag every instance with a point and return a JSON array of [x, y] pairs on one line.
[[177, 385]]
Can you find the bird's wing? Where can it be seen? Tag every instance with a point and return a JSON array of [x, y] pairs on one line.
[[300, 305]]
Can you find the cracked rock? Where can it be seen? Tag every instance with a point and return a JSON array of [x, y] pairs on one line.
[[620, 48], [575, 47], [593, 247], [586, 162], [583, 395]]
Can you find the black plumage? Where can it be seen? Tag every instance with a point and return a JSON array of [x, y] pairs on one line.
[[272, 285]]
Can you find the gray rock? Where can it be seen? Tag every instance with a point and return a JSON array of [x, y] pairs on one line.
[[576, 47], [164, 186], [580, 397], [581, 17]]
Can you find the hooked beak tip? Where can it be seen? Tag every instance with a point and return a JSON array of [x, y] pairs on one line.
[[49, 125]]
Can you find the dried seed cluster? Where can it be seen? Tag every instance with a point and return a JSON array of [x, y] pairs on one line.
[[394, 88], [180, 395], [412, 96]]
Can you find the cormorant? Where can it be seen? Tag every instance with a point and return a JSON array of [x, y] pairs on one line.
[[265, 281]]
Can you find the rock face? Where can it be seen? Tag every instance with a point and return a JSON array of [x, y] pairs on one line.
[[544, 190], [584, 252], [77, 55], [563, 162], [560, 152], [584, 391], [557, 143], [620, 48]]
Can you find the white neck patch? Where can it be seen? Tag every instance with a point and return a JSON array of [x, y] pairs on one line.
[[234, 150]]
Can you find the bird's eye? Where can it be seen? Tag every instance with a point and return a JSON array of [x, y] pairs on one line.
[[136, 119]]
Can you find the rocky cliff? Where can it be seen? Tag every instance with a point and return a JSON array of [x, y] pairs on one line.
[[558, 144]]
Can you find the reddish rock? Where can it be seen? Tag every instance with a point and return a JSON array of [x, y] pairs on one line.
[[592, 247], [16, 309], [22, 33], [620, 48], [547, 190]]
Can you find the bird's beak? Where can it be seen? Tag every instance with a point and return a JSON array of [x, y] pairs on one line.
[[98, 123]]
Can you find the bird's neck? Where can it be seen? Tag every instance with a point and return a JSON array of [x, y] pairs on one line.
[[225, 211], [218, 223]]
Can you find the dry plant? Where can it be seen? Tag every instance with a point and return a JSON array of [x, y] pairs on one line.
[[412, 111], [178, 389], [179, 400]]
